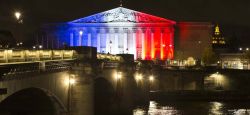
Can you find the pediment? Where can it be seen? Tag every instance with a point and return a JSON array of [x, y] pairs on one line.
[[121, 14]]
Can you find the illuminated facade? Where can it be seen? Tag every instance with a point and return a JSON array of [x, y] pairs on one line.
[[119, 31]]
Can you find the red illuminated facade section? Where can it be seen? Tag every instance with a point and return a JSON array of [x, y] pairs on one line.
[[155, 42]]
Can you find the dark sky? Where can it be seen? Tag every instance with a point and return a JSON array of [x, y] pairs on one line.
[[233, 15]]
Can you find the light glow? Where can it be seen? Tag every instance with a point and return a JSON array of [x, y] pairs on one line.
[[151, 78], [138, 77], [17, 15], [72, 81]]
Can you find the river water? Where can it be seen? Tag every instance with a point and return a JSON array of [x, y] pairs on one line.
[[193, 108]]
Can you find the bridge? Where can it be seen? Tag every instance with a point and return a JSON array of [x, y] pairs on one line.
[[69, 81], [80, 82]]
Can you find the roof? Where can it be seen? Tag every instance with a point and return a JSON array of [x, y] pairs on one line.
[[122, 14]]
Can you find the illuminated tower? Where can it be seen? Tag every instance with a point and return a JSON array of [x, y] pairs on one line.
[[218, 40]]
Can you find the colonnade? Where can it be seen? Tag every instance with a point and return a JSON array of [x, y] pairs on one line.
[[143, 42]]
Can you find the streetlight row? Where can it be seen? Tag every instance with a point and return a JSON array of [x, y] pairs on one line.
[[241, 49]]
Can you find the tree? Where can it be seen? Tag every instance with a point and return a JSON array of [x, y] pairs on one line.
[[208, 56]]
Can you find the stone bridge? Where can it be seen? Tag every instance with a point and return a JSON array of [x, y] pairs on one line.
[[67, 86]]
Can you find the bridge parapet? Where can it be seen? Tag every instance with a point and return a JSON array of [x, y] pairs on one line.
[[11, 56]]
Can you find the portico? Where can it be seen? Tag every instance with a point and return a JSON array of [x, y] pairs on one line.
[[122, 30]]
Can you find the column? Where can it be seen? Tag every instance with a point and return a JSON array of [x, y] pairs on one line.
[[121, 41], [89, 39], [107, 41], [125, 42], [134, 43], [80, 38], [152, 44], [71, 39], [130, 42], [162, 46], [116, 44], [143, 43], [98, 46], [103, 40]]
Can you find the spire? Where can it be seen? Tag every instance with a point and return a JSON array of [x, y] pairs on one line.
[[218, 39], [121, 3], [217, 30]]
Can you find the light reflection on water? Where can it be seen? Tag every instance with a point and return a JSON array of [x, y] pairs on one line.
[[194, 108]]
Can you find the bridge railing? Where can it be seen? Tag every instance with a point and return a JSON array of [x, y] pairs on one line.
[[9, 56]]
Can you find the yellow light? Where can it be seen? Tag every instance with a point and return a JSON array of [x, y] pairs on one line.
[[118, 76], [151, 78], [138, 77], [72, 81]]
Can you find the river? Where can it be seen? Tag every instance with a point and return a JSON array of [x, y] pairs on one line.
[[193, 108]]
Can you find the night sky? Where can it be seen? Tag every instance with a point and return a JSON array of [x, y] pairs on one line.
[[232, 15]]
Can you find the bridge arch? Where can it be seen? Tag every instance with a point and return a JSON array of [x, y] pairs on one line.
[[35, 101]]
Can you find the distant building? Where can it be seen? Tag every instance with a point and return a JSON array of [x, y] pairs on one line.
[[234, 61], [219, 44]]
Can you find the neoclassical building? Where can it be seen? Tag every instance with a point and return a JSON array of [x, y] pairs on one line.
[[116, 31]]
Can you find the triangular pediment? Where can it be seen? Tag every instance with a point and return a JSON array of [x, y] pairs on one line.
[[121, 14]]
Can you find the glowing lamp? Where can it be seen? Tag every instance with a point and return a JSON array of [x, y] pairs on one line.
[[151, 78], [17, 15], [80, 32], [72, 81]]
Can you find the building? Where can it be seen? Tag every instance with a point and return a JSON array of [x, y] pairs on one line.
[[116, 31], [234, 61], [191, 39], [219, 44]]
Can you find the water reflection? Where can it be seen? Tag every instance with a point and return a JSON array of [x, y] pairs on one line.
[[194, 108], [216, 108]]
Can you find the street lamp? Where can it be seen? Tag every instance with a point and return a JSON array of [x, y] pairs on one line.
[[151, 78], [18, 15], [240, 49], [40, 46]]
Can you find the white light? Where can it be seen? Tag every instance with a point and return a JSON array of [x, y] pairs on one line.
[[34, 47], [240, 49], [80, 32], [40, 46], [247, 49], [151, 78], [72, 81], [18, 15]]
